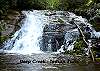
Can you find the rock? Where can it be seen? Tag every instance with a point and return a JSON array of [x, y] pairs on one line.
[[50, 14], [53, 37], [9, 29], [10, 23]]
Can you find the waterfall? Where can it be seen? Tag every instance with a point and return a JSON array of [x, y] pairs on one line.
[[37, 24], [26, 40]]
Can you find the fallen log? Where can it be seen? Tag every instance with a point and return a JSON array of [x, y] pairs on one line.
[[84, 39]]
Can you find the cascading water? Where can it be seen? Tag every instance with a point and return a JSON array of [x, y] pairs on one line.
[[73, 34], [26, 40]]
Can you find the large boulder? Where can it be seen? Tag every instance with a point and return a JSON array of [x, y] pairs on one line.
[[53, 37]]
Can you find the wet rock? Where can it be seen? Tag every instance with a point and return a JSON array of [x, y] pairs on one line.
[[50, 13], [53, 37], [61, 33]]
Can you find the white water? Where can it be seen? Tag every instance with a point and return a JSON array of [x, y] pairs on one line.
[[27, 38]]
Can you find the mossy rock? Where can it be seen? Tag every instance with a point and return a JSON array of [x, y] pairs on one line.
[[60, 20], [79, 44], [2, 25], [3, 38]]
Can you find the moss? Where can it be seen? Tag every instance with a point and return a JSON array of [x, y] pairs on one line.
[[97, 59], [3, 38], [2, 26], [79, 44], [60, 20], [78, 48], [69, 52], [89, 2], [52, 4]]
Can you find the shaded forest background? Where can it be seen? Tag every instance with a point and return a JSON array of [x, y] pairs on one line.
[[45, 4]]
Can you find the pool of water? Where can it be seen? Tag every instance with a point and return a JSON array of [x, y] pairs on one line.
[[17, 62]]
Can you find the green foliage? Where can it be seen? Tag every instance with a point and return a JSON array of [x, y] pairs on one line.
[[2, 26], [52, 4], [3, 38], [63, 5], [44, 4], [78, 48], [38, 4], [70, 52], [4, 5], [79, 44], [89, 2], [60, 20], [80, 7], [97, 59]]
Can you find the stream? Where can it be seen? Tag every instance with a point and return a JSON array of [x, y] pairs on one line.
[[15, 62]]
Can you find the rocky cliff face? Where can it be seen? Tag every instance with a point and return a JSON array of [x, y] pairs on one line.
[[60, 32], [9, 24]]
